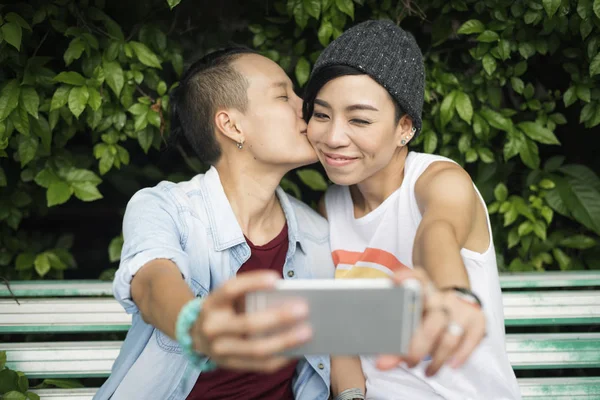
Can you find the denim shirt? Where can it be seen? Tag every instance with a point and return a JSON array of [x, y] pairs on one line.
[[192, 224]]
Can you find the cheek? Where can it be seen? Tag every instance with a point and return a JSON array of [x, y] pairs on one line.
[[315, 131]]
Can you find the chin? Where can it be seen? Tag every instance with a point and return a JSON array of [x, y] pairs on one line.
[[342, 179]]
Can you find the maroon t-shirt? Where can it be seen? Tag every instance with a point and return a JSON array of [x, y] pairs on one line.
[[227, 384]]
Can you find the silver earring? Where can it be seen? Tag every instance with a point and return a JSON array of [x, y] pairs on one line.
[[240, 145], [414, 130], [403, 142]]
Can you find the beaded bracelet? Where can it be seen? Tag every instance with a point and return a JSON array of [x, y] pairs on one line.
[[350, 394], [186, 318]]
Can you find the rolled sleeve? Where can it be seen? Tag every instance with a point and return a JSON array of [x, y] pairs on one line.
[[153, 228]]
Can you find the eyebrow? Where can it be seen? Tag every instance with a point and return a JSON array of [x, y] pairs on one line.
[[352, 107], [280, 84]]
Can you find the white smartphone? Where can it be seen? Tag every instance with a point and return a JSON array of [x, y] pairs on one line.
[[350, 316]]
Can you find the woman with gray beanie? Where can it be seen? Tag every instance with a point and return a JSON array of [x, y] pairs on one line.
[[392, 209]]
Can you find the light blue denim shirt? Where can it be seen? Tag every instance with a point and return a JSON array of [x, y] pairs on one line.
[[192, 224]]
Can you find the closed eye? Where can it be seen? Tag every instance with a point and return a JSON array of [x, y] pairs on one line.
[[285, 98], [360, 121]]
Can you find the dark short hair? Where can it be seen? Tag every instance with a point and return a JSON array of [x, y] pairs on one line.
[[208, 84], [325, 75]]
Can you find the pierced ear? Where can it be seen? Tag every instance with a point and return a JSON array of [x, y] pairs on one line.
[[405, 130], [225, 121]]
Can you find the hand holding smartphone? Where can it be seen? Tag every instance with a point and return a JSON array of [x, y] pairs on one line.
[[349, 316]]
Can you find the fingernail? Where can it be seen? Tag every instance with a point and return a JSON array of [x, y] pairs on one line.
[[299, 310], [304, 333], [427, 358]]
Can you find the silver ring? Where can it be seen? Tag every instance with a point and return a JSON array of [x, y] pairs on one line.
[[455, 329]]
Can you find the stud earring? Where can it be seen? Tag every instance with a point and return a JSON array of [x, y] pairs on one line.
[[403, 142], [414, 130], [240, 145]]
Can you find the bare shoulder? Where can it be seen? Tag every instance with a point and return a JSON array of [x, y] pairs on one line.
[[444, 180]]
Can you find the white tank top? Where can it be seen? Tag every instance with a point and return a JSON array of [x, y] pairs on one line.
[[381, 242]]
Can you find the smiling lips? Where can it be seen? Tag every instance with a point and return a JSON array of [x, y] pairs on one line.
[[338, 160]]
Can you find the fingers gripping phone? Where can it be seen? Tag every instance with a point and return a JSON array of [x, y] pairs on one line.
[[350, 316]]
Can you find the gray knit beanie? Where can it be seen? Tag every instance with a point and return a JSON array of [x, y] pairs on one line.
[[386, 53]]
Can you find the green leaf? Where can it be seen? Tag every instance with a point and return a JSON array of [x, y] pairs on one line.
[[346, 6], [471, 156], [16, 18], [513, 238], [27, 149], [488, 37], [530, 154], [486, 155], [9, 380], [60, 97], [9, 98], [447, 108], [259, 39], [551, 6], [517, 84], [431, 141], [302, 71], [547, 214], [501, 192], [538, 133], [525, 228], [312, 179], [24, 261], [496, 119], [14, 395], [114, 249], [63, 383], [526, 49], [12, 34], [489, 64], [20, 120], [74, 51], [595, 65], [564, 261], [325, 32], [581, 200], [464, 106], [173, 3], [596, 8], [504, 49], [139, 109], [539, 229], [471, 26], [177, 62], [313, 8], [86, 191], [70, 77], [584, 93], [42, 264], [145, 55], [95, 100], [32, 396], [58, 193], [570, 96], [114, 76], [82, 175], [78, 98], [581, 172], [2, 359], [106, 162], [580, 242], [145, 138], [154, 118], [42, 129], [30, 100], [46, 177], [161, 88]]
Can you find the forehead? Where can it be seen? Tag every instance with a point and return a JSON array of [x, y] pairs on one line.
[[351, 89], [260, 71]]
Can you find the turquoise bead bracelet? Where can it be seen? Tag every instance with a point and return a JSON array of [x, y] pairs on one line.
[[186, 318]]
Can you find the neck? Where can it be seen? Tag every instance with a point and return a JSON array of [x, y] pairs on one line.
[[250, 190], [371, 192]]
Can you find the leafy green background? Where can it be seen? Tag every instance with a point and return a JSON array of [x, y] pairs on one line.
[[512, 95]]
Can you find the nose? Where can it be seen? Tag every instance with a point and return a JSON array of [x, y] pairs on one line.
[[335, 135]]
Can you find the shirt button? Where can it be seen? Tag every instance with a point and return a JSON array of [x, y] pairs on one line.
[[321, 366], [291, 273]]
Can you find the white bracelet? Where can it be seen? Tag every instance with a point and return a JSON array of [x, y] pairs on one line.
[[350, 394]]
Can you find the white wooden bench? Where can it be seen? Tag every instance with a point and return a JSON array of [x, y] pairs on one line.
[[530, 300]]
